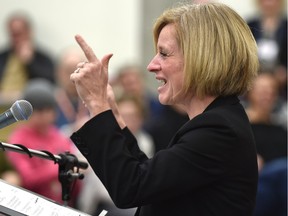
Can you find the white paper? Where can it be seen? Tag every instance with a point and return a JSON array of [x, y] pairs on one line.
[[28, 203]]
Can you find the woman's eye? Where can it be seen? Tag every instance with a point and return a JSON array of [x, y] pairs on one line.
[[163, 54]]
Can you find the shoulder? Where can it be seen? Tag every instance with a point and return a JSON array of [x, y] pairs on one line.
[[223, 111], [4, 53], [224, 118], [40, 54], [209, 122]]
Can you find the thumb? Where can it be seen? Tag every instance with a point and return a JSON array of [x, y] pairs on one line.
[[105, 61]]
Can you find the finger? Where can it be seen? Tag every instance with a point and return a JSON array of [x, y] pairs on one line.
[[105, 61], [72, 77], [81, 64], [91, 57], [77, 70]]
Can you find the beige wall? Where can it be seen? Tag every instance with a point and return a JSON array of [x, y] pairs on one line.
[[108, 25]]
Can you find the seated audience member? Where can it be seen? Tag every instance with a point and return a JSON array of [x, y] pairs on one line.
[[134, 114], [70, 108], [269, 28], [131, 80], [39, 133], [270, 137], [22, 60]]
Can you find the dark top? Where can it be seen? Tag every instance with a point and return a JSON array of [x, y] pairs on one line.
[[163, 127], [41, 65], [209, 167], [271, 141], [272, 189]]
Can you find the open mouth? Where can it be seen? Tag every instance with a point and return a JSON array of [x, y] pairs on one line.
[[161, 82]]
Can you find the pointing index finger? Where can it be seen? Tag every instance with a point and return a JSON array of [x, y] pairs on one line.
[[91, 57]]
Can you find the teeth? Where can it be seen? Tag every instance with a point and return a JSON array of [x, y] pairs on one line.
[[162, 82]]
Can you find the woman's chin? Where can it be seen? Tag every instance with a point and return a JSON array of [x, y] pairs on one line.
[[164, 100]]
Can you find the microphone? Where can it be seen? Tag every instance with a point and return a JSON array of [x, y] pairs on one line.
[[20, 110]]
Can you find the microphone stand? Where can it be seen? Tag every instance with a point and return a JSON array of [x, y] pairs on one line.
[[67, 164]]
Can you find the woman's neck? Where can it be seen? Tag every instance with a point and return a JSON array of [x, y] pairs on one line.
[[197, 105]]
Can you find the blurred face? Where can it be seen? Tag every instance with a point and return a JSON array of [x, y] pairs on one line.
[[270, 7], [131, 115], [67, 66], [132, 82], [19, 32], [168, 66], [264, 93], [41, 120]]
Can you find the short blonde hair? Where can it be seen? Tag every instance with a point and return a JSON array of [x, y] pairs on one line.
[[220, 52]]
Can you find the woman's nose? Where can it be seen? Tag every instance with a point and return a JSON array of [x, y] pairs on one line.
[[153, 66]]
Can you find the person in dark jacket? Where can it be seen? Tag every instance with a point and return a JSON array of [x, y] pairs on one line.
[[205, 58], [22, 60]]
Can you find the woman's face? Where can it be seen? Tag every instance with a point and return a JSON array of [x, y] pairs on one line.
[[168, 65]]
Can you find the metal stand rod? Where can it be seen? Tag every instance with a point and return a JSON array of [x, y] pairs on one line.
[[41, 154], [67, 164]]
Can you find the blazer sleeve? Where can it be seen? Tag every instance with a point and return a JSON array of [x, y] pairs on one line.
[[134, 180]]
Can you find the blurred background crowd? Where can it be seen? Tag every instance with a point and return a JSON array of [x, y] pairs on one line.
[[29, 72]]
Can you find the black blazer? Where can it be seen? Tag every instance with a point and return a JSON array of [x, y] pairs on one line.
[[209, 167]]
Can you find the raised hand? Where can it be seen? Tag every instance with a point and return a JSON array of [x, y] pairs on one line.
[[91, 79]]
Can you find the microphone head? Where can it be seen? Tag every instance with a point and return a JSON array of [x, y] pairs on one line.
[[21, 110]]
